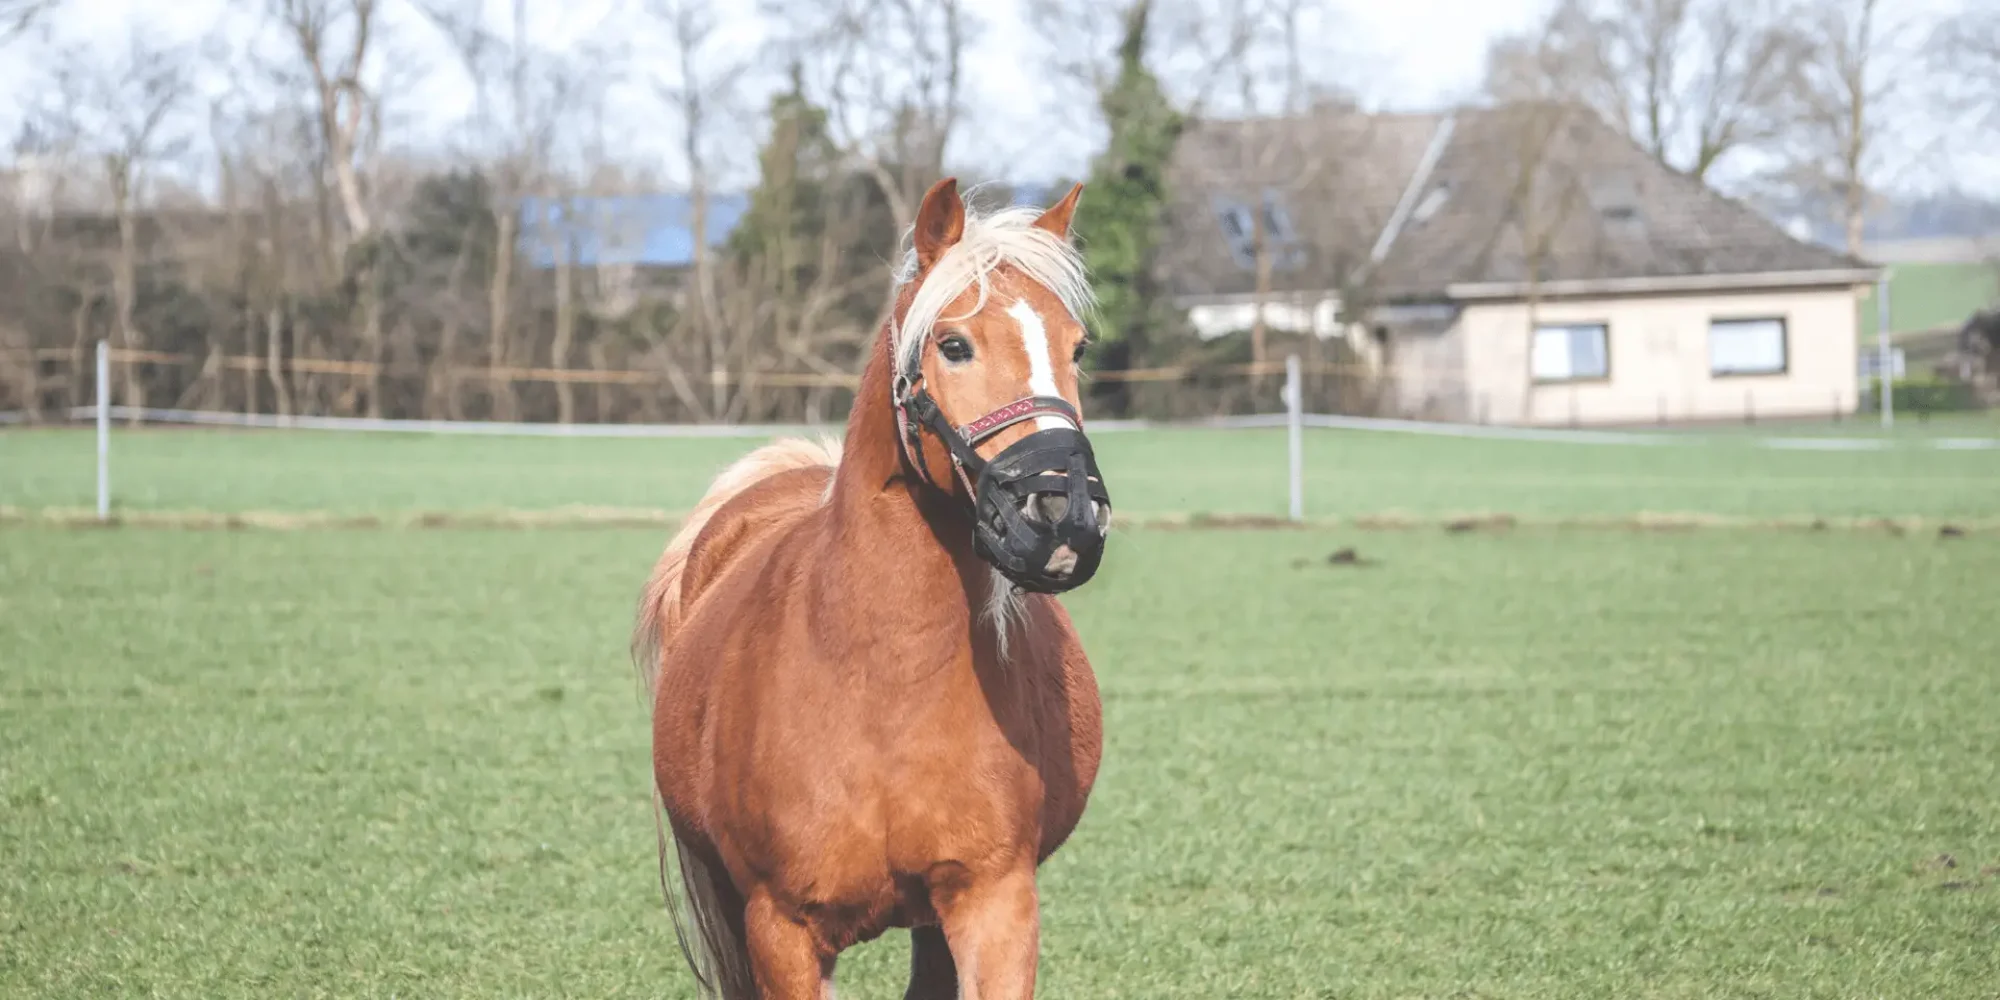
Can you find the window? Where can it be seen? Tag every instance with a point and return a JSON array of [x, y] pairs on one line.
[[1616, 198], [1235, 223], [1571, 353], [1281, 240], [1277, 221], [1614, 195], [1746, 347]]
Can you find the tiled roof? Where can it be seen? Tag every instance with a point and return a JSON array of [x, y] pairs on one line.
[[1510, 185]]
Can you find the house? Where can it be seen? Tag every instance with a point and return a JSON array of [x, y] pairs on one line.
[[626, 230], [625, 244], [1523, 264]]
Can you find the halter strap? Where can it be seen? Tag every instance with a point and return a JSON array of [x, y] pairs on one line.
[[1026, 408], [917, 410]]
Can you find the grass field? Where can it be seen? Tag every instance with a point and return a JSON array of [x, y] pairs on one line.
[[1150, 473], [1536, 763], [1526, 763], [1929, 296]]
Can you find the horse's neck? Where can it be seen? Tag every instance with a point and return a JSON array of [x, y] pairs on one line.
[[870, 457], [894, 531]]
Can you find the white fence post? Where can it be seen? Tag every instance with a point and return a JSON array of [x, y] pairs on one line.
[[1885, 371], [103, 431], [1295, 428]]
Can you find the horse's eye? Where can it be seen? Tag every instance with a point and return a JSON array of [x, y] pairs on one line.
[[1081, 347], [956, 349]]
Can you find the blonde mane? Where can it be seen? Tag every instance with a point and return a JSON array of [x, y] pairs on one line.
[[1008, 236]]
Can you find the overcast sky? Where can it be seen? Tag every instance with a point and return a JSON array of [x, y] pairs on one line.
[[1398, 53]]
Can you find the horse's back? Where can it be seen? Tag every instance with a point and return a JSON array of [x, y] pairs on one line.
[[764, 511], [737, 544]]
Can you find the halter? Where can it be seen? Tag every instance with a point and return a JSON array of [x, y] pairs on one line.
[[1045, 554], [916, 411]]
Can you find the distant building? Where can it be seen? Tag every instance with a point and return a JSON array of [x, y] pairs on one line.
[[629, 242], [623, 244], [1523, 265]]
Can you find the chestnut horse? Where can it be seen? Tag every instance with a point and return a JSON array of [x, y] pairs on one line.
[[869, 710]]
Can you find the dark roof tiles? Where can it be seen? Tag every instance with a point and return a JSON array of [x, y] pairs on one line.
[[1514, 184]]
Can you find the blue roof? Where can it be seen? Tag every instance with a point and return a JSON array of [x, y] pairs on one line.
[[650, 230]]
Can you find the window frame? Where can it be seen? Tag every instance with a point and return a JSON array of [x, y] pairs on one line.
[[1287, 250], [1784, 346], [1603, 328]]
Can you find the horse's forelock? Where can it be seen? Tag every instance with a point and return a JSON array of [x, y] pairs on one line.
[[1006, 237]]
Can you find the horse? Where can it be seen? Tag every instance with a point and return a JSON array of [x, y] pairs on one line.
[[869, 707]]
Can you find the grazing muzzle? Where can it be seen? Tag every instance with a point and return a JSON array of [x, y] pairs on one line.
[[1040, 509]]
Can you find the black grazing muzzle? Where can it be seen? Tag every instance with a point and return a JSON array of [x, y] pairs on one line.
[[1040, 509]]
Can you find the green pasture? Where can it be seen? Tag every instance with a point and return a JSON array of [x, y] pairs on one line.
[[1538, 763], [1931, 296], [1527, 763], [1160, 472]]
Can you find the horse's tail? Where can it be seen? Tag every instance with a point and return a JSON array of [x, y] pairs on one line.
[[717, 952], [660, 605]]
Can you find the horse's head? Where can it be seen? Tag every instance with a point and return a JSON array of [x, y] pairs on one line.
[[986, 350]]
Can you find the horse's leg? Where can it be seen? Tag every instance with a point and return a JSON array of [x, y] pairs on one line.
[[783, 956], [933, 975], [994, 927]]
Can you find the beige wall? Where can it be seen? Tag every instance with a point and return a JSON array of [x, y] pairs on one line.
[[1660, 362], [1429, 380]]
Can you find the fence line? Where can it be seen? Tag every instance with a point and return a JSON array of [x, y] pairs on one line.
[[611, 376], [1294, 419], [494, 428], [1253, 421], [271, 421]]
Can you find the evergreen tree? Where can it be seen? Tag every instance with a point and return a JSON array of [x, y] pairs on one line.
[[1124, 205], [788, 207]]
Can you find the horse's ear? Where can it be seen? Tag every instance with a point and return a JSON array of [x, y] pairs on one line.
[[1056, 219], [940, 222]]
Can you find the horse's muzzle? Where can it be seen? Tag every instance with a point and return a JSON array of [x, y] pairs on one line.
[[1042, 512]]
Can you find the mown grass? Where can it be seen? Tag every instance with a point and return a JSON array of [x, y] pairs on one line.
[[406, 763], [1150, 473]]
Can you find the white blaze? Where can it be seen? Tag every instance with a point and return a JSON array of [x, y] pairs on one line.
[[1041, 370]]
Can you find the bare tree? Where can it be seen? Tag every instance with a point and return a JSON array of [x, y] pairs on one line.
[[1257, 160], [334, 42], [1234, 41], [1689, 80], [1971, 44], [700, 86], [121, 109], [1843, 111], [1546, 191], [1293, 129], [1202, 49], [1078, 42], [891, 75], [17, 16], [523, 96]]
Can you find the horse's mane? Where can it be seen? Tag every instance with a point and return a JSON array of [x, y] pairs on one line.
[[1008, 236]]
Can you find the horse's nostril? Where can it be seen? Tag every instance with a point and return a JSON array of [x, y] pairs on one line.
[[1054, 506]]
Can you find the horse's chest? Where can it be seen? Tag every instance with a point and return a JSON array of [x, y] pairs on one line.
[[969, 790]]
